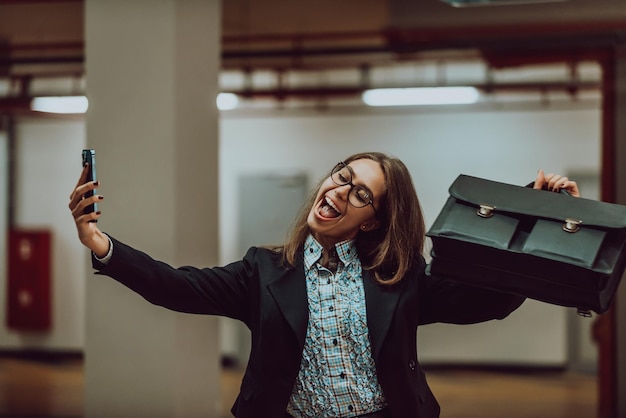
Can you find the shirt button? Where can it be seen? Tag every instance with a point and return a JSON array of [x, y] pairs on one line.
[[342, 375], [311, 250], [412, 365], [331, 309], [350, 407], [335, 342], [328, 282]]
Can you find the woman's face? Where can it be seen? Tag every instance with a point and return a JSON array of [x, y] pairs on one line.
[[333, 218]]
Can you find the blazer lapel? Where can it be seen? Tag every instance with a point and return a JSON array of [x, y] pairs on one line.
[[289, 292], [380, 302]]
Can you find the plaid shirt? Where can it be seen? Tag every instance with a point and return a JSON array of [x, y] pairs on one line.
[[337, 375]]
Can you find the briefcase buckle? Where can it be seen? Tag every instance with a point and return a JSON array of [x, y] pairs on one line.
[[571, 225], [485, 211]]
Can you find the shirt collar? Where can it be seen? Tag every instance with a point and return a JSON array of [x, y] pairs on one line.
[[346, 250]]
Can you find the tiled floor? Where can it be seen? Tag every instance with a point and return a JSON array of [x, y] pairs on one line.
[[54, 388]]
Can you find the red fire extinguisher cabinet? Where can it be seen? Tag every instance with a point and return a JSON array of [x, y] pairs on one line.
[[29, 280]]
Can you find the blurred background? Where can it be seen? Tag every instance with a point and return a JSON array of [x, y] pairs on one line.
[[211, 123]]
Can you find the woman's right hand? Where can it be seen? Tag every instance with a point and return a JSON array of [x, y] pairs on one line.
[[555, 182], [88, 232]]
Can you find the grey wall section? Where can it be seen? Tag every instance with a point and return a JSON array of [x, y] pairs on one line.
[[268, 203], [152, 69]]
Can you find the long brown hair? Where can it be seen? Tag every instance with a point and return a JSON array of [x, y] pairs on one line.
[[390, 249]]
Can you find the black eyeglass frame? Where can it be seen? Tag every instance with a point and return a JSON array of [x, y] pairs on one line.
[[336, 169]]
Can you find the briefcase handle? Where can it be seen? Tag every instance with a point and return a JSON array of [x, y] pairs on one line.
[[562, 191]]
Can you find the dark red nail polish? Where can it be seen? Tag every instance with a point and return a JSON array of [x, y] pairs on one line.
[[96, 183]]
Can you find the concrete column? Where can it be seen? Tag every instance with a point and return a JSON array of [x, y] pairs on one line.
[[620, 166], [152, 78]]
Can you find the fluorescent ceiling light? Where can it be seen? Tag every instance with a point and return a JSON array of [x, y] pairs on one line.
[[62, 104], [227, 101], [421, 96]]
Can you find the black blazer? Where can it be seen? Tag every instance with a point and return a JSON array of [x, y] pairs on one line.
[[271, 300]]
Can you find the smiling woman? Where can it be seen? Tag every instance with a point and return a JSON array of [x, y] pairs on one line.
[[341, 209], [383, 246], [334, 312]]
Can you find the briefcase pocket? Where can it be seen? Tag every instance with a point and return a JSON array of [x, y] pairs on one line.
[[548, 240], [462, 224]]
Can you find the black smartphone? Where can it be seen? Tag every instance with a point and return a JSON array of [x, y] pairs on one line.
[[89, 157]]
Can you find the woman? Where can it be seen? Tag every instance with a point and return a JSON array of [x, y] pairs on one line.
[[334, 312]]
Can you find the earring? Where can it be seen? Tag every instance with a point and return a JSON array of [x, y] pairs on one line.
[[364, 227]]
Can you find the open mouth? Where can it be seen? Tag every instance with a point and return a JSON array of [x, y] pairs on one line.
[[328, 209]]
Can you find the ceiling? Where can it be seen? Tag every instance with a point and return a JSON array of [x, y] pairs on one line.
[[45, 38], [289, 32]]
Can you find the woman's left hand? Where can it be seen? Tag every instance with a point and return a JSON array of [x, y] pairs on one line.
[[555, 182]]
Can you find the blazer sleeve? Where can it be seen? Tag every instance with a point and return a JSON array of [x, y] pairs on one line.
[[216, 291], [443, 300]]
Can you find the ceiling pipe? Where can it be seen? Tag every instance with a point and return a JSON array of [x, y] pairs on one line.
[[496, 57], [426, 35], [15, 106], [316, 92]]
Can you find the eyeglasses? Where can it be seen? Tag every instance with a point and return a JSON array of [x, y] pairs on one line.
[[358, 196]]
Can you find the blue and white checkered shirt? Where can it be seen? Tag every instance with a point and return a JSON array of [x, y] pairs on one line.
[[337, 375]]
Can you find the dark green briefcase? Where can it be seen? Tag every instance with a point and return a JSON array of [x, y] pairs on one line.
[[546, 246]]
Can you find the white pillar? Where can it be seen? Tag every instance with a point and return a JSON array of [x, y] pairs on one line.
[[152, 78]]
